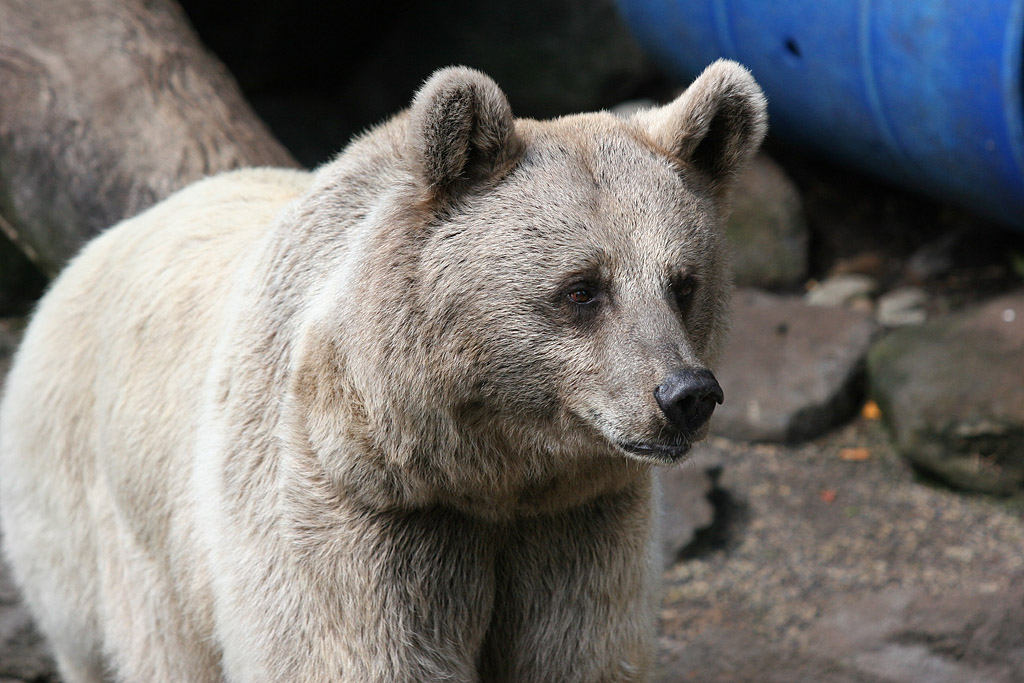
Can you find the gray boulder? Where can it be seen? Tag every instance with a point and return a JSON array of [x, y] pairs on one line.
[[767, 228], [791, 370], [685, 508], [952, 393], [907, 636]]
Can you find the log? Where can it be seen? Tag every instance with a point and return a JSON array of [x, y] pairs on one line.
[[106, 107]]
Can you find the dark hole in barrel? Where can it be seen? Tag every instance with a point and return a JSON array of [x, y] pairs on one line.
[[793, 47]]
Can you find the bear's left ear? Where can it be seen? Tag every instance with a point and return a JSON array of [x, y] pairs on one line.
[[461, 131], [716, 126]]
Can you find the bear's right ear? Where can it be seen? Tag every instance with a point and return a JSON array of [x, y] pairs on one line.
[[461, 131], [715, 127]]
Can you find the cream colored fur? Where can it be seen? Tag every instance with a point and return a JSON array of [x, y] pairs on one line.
[[349, 426]]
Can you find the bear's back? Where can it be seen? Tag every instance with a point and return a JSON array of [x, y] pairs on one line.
[[122, 342]]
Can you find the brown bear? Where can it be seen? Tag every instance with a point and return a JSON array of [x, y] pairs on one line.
[[392, 420]]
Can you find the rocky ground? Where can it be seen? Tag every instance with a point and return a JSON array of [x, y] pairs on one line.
[[869, 410], [833, 561], [858, 515]]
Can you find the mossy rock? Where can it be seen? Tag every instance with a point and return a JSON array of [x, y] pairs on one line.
[[952, 394]]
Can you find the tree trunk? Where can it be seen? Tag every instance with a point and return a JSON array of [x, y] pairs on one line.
[[106, 107]]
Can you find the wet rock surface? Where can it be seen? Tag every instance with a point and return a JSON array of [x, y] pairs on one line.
[[952, 391], [791, 370]]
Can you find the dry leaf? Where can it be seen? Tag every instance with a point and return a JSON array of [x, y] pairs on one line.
[[871, 411], [855, 454], [828, 495]]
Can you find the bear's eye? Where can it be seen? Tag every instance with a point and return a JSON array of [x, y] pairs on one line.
[[582, 299], [684, 288], [581, 296]]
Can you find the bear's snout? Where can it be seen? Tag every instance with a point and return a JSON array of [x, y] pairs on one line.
[[688, 398]]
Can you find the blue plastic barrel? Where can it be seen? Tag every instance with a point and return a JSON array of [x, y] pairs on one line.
[[925, 93]]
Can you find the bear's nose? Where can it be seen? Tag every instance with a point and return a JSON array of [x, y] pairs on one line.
[[688, 398]]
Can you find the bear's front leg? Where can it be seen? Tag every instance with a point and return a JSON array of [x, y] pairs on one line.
[[576, 594], [388, 596]]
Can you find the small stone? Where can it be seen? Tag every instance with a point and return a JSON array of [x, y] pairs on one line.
[[767, 228], [935, 258], [952, 393], [905, 306], [790, 371], [841, 289]]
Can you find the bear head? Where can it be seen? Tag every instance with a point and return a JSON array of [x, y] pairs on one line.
[[523, 298]]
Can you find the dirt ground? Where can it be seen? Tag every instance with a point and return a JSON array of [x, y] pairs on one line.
[[805, 530]]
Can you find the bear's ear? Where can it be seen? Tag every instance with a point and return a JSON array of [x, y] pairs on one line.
[[715, 127], [461, 131]]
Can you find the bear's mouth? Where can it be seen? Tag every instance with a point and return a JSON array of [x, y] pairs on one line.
[[657, 451]]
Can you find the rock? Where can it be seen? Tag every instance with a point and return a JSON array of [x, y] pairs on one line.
[[904, 306], [685, 508], [952, 393], [752, 662], [767, 228], [906, 636], [934, 258], [841, 289], [899, 635], [790, 370]]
